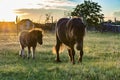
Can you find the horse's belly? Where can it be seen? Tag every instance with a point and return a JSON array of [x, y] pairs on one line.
[[62, 37]]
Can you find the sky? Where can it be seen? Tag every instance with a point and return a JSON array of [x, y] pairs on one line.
[[37, 9]]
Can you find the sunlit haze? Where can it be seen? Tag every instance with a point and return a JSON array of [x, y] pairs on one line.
[[36, 9]]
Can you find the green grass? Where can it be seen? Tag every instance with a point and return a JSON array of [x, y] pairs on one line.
[[101, 60]]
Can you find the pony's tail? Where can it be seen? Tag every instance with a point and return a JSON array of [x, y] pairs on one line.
[[62, 47]]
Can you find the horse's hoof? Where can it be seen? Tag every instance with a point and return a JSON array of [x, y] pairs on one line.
[[20, 55], [79, 61], [73, 63], [58, 60], [33, 58], [28, 57], [23, 57]]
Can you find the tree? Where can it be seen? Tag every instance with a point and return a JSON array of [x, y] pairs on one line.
[[90, 11], [47, 18]]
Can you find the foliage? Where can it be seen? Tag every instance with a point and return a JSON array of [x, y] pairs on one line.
[[100, 60], [90, 11]]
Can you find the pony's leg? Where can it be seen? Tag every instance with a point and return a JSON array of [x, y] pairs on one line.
[[33, 53], [22, 54], [81, 53], [57, 47], [73, 54], [29, 51], [70, 54]]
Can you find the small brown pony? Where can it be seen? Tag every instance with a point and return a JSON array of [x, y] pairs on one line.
[[29, 39], [70, 32]]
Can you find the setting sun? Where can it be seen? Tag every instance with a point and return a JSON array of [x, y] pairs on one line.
[[8, 7], [7, 10], [7, 16]]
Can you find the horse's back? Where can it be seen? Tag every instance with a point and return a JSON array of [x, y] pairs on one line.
[[60, 21], [61, 24]]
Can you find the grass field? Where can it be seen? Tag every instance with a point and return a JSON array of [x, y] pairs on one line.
[[101, 60]]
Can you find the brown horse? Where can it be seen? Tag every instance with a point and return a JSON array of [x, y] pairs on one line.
[[29, 39], [70, 32]]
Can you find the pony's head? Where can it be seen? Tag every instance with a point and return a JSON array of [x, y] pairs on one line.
[[39, 35]]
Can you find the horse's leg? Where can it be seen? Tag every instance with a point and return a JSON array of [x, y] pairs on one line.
[[80, 57], [29, 51], [57, 47], [81, 52], [33, 53], [70, 54], [73, 54]]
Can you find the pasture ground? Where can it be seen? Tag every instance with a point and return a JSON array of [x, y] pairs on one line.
[[101, 60]]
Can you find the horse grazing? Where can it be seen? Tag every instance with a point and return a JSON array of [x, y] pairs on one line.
[[29, 39], [70, 32]]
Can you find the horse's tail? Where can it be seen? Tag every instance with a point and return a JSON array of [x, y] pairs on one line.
[[62, 47]]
